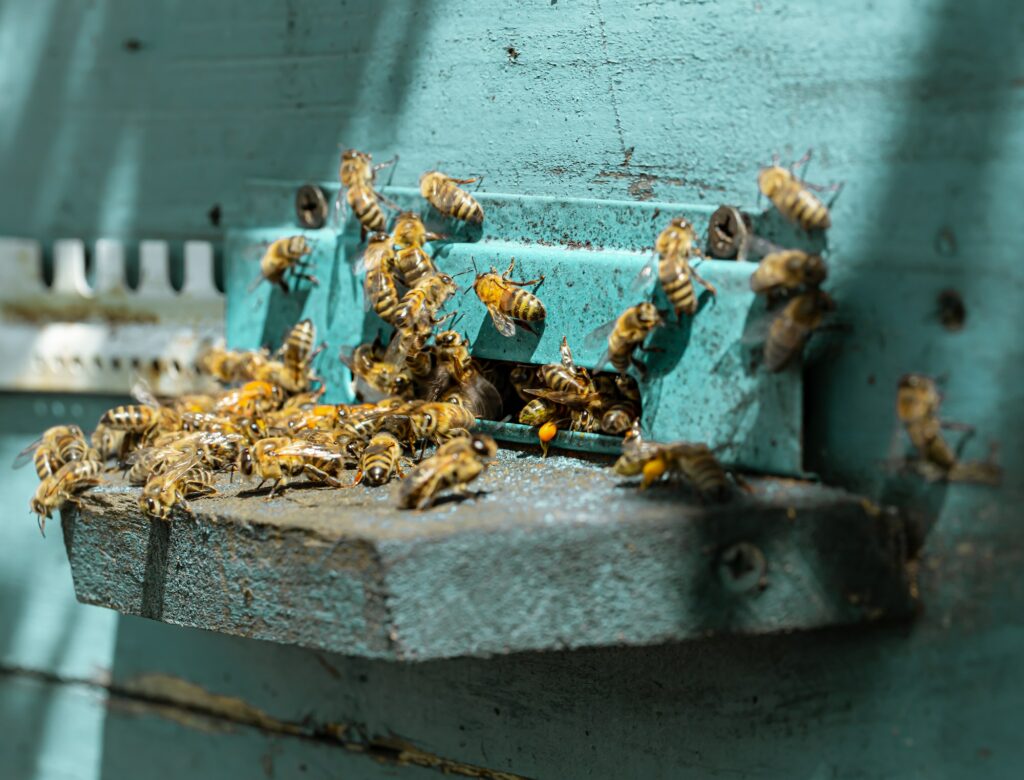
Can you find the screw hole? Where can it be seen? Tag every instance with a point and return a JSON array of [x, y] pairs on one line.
[[952, 311]]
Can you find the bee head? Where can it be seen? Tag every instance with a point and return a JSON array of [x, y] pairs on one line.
[[153, 508], [772, 178], [401, 384], [39, 508], [245, 461], [484, 446]]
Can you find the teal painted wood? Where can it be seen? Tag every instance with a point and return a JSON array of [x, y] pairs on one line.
[[915, 104], [705, 385], [554, 554]]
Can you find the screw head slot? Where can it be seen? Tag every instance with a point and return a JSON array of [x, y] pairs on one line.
[[742, 567], [727, 231], [311, 206]]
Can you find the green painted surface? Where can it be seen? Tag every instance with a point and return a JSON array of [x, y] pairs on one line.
[[552, 554], [917, 105], [702, 386]]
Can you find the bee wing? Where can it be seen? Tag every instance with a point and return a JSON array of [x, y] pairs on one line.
[[599, 335], [566, 353], [186, 460], [397, 350], [559, 397], [26, 454], [143, 393], [373, 287], [506, 325], [308, 449], [644, 281], [255, 283], [345, 356]]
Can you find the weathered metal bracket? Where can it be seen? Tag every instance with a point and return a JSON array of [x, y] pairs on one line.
[[705, 386]]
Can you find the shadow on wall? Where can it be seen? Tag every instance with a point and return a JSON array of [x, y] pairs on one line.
[[935, 221], [104, 99]]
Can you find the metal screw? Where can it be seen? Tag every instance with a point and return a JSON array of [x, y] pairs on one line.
[[742, 567], [727, 232], [311, 206]]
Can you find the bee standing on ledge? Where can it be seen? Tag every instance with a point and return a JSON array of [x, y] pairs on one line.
[[357, 174], [507, 303], [444, 194], [793, 198], [917, 404], [282, 256], [60, 488], [380, 291], [409, 234], [455, 464], [674, 247], [381, 460], [625, 335]]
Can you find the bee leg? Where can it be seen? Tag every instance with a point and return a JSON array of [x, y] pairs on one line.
[[511, 265], [385, 164], [340, 210], [278, 483], [283, 285], [262, 483], [803, 161], [703, 282], [311, 279], [468, 181], [538, 280], [526, 326], [641, 369], [388, 202], [642, 348], [319, 475]]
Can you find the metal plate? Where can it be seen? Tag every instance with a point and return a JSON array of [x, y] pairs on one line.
[[705, 386]]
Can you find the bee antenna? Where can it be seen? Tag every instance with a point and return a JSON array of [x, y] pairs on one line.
[[460, 273]]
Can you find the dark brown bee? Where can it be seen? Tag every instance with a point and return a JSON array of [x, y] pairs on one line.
[[794, 325], [786, 271], [444, 194]]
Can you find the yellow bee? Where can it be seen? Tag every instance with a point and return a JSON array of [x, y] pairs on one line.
[[444, 194], [409, 231], [381, 460], [786, 271], [380, 291], [431, 421], [794, 325], [416, 312], [280, 458], [694, 462], [282, 256], [297, 353], [58, 445], [508, 304], [62, 486], [253, 398], [173, 487], [625, 335], [917, 404], [674, 247], [108, 443], [793, 197], [357, 174], [455, 465]]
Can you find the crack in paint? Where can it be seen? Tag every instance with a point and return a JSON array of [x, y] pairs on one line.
[[192, 706]]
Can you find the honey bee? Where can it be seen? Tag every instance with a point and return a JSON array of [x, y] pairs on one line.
[[793, 197], [220, 363], [357, 174], [62, 486], [431, 421], [415, 316], [694, 462], [790, 330], [674, 247], [140, 419], [297, 353], [282, 256], [108, 443], [380, 292], [374, 374], [381, 459], [153, 461], [444, 194], [618, 411], [409, 231], [453, 352], [411, 260], [280, 458], [477, 395], [786, 271], [58, 445], [214, 449], [252, 398], [173, 487], [508, 304], [625, 335], [917, 404], [455, 465]]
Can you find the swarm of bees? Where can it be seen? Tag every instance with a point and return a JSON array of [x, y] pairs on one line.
[[423, 387]]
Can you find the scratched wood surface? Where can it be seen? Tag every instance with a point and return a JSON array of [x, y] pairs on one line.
[[120, 118]]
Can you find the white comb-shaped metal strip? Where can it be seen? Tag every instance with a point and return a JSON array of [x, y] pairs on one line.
[[74, 337]]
